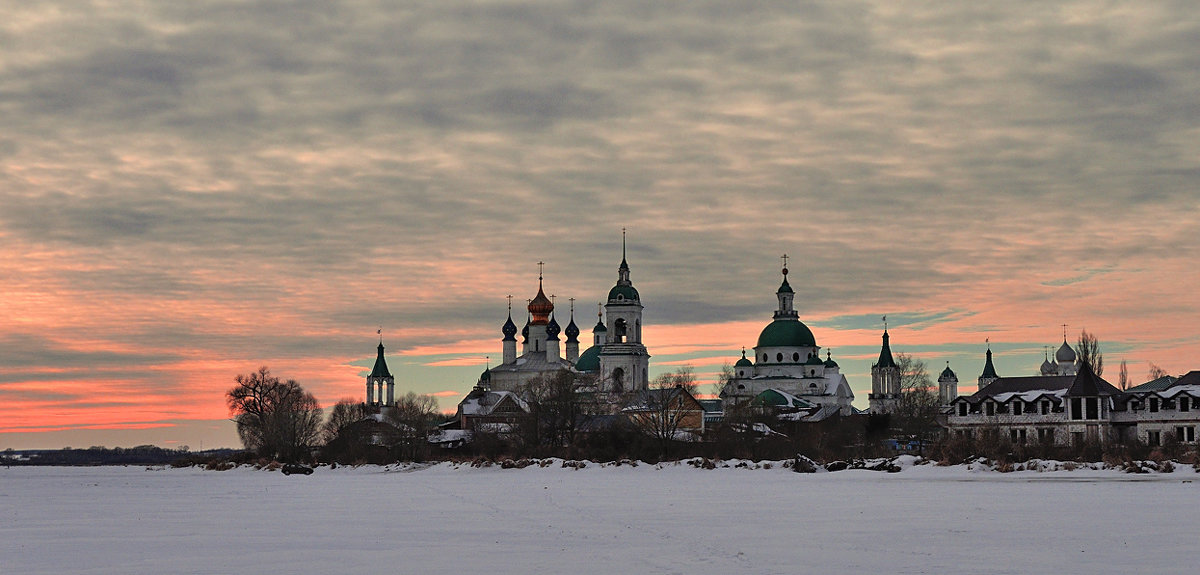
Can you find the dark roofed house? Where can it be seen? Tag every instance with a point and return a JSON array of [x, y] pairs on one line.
[[1078, 409]]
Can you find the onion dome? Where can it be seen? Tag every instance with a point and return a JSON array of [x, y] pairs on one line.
[[525, 332], [600, 327], [541, 307], [572, 331], [829, 360], [1065, 354], [486, 376], [743, 362], [1047, 367], [589, 361], [509, 329], [552, 329], [948, 373]]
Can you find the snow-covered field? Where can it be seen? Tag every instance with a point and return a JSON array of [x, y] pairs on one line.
[[627, 520]]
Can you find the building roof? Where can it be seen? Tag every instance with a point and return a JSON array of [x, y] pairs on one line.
[[1086, 382], [1154, 385], [779, 398], [589, 360], [829, 360], [381, 368], [743, 362], [989, 370], [1050, 383], [786, 332], [885, 353], [623, 293], [784, 287]]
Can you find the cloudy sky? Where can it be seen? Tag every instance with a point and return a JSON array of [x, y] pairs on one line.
[[189, 190]]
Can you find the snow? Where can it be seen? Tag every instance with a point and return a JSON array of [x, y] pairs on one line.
[[671, 518]]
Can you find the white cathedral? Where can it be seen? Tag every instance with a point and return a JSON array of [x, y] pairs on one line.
[[787, 361], [617, 358]]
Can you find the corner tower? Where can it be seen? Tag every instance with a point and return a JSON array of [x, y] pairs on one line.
[[624, 362], [379, 379], [885, 378]]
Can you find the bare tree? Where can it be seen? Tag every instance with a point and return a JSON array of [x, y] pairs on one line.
[[413, 416], [556, 399], [724, 377], [1123, 378], [345, 412], [1156, 372], [917, 408], [1088, 351], [275, 418], [665, 409]]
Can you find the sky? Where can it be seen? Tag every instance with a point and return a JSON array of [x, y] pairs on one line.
[[191, 190]]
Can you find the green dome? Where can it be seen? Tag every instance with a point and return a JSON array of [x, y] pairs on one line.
[[786, 333], [623, 293], [743, 362], [589, 360], [830, 363], [814, 360]]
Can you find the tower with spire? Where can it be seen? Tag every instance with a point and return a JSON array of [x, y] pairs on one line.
[[624, 361], [885, 378], [989, 371], [381, 386]]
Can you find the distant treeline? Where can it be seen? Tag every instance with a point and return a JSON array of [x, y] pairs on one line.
[[140, 455]]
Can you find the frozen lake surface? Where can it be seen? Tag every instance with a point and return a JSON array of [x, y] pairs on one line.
[[674, 519]]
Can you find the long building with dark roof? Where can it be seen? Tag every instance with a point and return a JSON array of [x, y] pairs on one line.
[[1077, 409]]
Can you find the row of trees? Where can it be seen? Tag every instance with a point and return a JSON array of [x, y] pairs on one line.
[[278, 419]]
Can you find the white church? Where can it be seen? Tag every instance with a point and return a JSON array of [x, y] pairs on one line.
[[617, 358], [787, 363]]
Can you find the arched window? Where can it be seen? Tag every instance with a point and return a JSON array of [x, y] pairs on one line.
[[621, 330], [618, 380]]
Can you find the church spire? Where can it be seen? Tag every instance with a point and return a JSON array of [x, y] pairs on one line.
[[989, 370], [885, 353]]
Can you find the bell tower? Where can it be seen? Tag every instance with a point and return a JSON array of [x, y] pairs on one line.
[[624, 362]]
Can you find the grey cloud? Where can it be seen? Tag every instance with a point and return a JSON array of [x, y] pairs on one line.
[[303, 151]]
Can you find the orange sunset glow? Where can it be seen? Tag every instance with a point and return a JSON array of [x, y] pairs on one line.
[[185, 197]]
